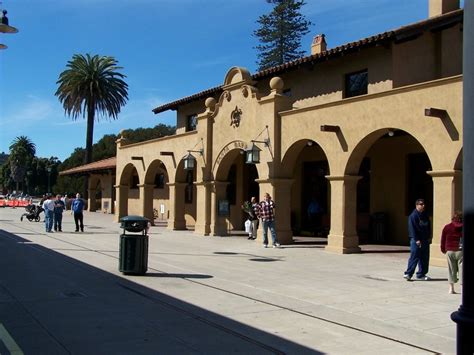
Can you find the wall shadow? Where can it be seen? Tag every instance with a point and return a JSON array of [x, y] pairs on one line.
[[54, 304]]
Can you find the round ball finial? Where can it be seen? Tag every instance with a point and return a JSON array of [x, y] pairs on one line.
[[210, 103], [276, 83], [122, 133]]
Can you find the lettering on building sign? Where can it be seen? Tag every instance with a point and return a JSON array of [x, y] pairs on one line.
[[235, 117], [234, 145]]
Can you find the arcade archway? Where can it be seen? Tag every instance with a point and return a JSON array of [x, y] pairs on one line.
[[236, 182], [306, 164], [392, 166]]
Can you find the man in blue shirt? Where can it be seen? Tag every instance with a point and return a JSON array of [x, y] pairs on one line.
[[77, 207], [59, 207], [419, 231]]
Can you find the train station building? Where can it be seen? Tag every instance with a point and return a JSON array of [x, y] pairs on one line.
[[364, 129]]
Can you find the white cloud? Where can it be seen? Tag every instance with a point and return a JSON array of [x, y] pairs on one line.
[[33, 110]]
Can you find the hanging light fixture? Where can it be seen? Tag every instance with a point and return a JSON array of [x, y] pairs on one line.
[[253, 153], [5, 27], [190, 161]]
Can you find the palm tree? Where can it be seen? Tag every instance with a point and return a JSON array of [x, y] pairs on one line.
[[91, 85], [22, 151]]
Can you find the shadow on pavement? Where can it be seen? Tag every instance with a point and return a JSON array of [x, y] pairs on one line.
[[54, 304], [181, 276]]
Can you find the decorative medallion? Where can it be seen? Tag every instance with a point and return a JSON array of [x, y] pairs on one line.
[[235, 117]]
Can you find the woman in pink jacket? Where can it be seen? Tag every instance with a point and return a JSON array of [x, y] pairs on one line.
[[451, 245]]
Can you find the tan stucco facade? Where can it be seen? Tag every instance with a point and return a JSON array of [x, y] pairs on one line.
[[101, 192], [376, 153]]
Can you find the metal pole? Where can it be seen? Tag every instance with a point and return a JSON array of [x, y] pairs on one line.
[[49, 180], [464, 317]]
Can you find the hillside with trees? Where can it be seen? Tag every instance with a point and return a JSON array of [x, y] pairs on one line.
[[41, 172]]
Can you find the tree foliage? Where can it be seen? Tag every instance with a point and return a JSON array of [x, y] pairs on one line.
[[35, 179], [92, 86], [23, 172], [22, 151], [103, 149], [280, 33]]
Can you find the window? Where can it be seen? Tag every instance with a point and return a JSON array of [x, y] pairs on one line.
[[419, 183], [188, 190], [134, 181], [160, 181], [191, 122], [363, 187], [356, 83]]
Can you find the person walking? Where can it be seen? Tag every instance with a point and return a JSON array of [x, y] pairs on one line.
[[77, 208], [451, 245], [59, 207], [48, 207], [419, 231], [267, 214]]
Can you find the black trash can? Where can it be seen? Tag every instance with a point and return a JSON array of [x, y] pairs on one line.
[[133, 255]]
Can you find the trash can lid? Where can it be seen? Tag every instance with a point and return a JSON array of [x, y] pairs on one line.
[[133, 219]]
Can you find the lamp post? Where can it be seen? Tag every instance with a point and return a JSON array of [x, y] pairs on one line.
[[5, 27], [48, 169], [28, 182], [464, 316]]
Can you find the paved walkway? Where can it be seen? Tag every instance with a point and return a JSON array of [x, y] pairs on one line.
[[62, 293]]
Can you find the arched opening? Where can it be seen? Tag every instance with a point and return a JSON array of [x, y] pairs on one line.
[[129, 192], [306, 163], [393, 168], [186, 195], [157, 193], [237, 184]]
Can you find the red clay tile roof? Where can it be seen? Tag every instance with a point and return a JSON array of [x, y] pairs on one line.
[[398, 35], [106, 164]]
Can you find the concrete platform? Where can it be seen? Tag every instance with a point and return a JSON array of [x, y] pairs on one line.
[[62, 293]]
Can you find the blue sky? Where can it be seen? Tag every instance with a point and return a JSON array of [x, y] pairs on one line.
[[169, 49]]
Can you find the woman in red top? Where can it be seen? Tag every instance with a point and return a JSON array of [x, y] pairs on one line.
[[451, 245]]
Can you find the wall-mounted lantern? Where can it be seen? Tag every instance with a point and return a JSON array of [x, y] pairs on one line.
[[190, 160], [253, 153]]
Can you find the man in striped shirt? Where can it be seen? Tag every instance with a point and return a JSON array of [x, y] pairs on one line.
[[267, 215]]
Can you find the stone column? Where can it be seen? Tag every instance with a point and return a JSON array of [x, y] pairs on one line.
[[121, 201], [91, 203], [218, 223], [343, 238], [444, 192], [280, 191], [203, 208], [176, 208], [110, 193], [146, 194]]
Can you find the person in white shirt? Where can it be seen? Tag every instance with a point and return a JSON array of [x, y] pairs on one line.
[[48, 206]]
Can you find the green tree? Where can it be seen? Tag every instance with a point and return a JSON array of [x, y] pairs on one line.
[[280, 33], [103, 149], [22, 151], [92, 86]]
